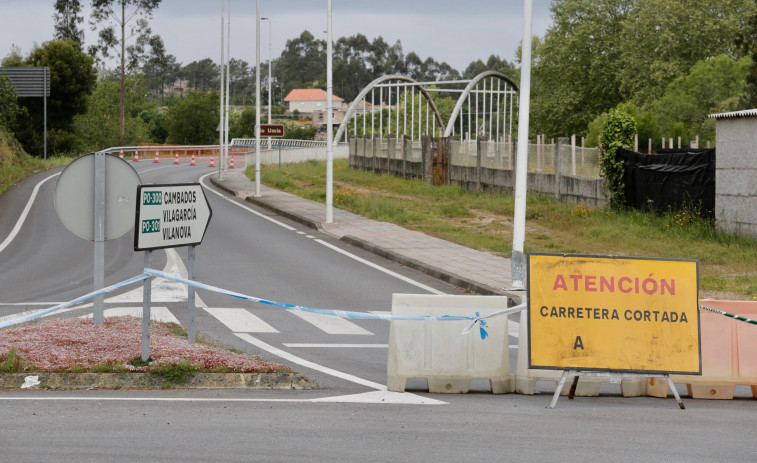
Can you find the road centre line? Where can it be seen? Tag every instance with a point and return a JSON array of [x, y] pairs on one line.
[[24, 213], [380, 268], [282, 224]]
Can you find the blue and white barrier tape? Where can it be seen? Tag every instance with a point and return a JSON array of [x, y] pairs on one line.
[[478, 319], [74, 302]]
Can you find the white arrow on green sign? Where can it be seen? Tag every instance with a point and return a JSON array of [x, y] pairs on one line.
[[170, 216]]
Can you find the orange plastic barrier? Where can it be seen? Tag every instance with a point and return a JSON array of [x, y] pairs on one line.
[[729, 354]]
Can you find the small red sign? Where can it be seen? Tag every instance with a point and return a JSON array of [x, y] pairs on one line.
[[271, 130]]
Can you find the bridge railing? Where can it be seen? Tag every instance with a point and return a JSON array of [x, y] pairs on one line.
[[283, 143]]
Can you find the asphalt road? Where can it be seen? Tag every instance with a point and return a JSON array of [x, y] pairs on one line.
[[350, 418]]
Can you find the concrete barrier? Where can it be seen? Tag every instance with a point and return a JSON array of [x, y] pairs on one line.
[[438, 352], [526, 378], [729, 354]]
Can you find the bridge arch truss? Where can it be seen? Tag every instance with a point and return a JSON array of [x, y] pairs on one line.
[[389, 105]]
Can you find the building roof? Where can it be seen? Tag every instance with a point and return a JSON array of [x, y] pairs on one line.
[[309, 94], [743, 113]]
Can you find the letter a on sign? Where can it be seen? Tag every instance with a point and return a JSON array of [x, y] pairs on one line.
[[578, 344]]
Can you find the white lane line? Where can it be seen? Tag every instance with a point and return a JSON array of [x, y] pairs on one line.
[[337, 346], [160, 314], [330, 325], [291, 358], [301, 232], [373, 397], [381, 269], [310, 236], [240, 320], [24, 213], [282, 224]]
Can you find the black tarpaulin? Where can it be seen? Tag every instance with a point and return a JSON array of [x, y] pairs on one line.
[[670, 179]]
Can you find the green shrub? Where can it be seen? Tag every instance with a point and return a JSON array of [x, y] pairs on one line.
[[618, 132]]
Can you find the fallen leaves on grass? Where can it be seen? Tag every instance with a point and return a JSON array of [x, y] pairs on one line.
[[60, 345]]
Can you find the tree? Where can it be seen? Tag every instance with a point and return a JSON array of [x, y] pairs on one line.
[[113, 17], [98, 128], [576, 67], [67, 18], [72, 78], [747, 43], [663, 39], [8, 102], [683, 108], [202, 75], [194, 119], [160, 69], [302, 62]]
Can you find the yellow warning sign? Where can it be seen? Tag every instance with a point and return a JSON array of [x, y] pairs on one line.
[[613, 313]]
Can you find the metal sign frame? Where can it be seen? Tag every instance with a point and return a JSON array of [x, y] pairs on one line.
[[138, 216], [587, 360]]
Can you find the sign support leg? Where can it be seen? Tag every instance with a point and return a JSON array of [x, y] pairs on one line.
[[146, 288], [191, 331], [675, 392], [573, 386], [560, 385]]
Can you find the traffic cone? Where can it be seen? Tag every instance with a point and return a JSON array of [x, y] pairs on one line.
[[211, 162], [193, 160], [176, 160], [231, 164], [121, 154], [136, 156], [157, 158]]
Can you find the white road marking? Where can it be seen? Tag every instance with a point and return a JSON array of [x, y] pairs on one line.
[[282, 224], [159, 314], [291, 358], [301, 232], [24, 213], [310, 236], [348, 346], [240, 320], [162, 290], [375, 397], [329, 324], [381, 269]]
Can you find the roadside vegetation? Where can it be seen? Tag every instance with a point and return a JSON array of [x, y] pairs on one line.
[[78, 346], [15, 164], [483, 221]]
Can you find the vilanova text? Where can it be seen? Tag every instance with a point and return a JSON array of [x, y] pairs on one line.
[[604, 284], [178, 215]]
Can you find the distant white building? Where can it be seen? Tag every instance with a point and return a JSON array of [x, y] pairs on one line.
[[312, 100]]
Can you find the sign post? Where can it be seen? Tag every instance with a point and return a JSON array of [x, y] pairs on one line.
[[614, 315], [168, 216]]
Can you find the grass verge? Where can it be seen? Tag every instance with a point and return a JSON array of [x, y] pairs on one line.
[[728, 263], [11, 173]]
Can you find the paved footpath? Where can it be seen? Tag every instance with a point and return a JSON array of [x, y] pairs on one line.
[[464, 267]]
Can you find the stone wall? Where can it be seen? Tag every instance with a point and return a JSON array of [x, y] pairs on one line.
[[368, 154], [736, 174]]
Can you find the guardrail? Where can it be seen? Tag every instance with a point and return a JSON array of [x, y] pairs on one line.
[[283, 143]]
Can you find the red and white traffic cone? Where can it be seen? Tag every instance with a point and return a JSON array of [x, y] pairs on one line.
[[176, 160], [121, 154], [231, 163], [193, 160], [211, 161], [136, 156], [157, 158]]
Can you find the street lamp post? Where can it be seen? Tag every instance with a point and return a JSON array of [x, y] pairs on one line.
[[270, 84], [329, 123], [257, 102]]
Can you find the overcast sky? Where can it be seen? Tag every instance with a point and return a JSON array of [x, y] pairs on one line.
[[457, 32]]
